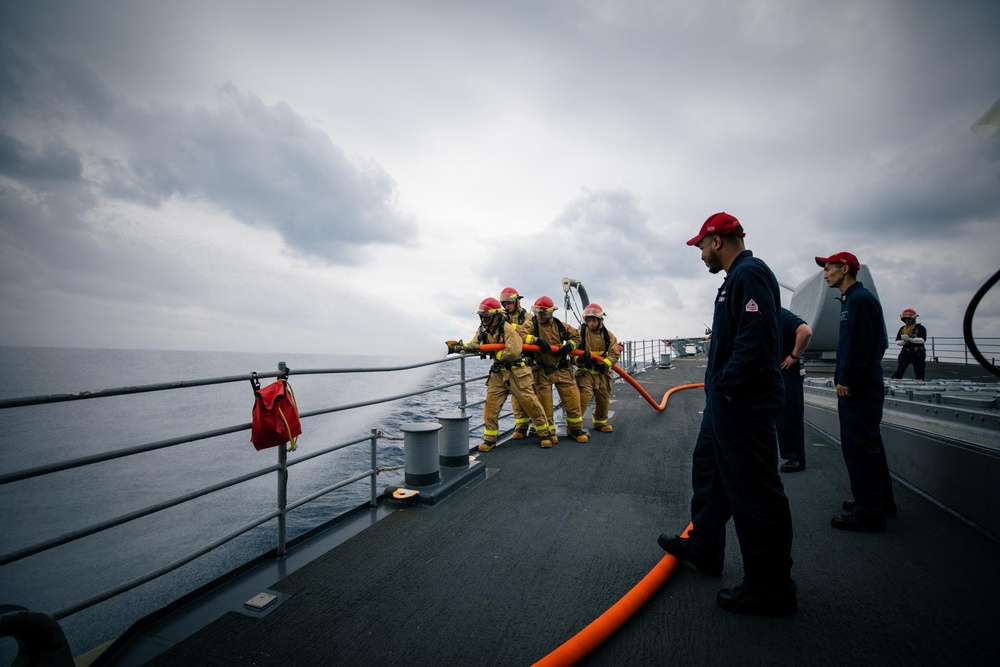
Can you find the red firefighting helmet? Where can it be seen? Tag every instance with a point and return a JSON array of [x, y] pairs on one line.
[[509, 294], [594, 310], [908, 313], [543, 304], [489, 306]]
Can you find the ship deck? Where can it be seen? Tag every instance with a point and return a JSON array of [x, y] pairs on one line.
[[509, 567]]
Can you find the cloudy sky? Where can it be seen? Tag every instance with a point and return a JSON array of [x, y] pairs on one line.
[[324, 176]]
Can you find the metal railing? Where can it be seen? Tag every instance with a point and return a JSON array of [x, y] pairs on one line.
[[637, 355], [281, 468], [940, 349], [952, 349]]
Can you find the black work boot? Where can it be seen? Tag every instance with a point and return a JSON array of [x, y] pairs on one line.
[[683, 549]]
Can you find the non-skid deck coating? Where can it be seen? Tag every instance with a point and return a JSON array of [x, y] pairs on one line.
[[505, 571]]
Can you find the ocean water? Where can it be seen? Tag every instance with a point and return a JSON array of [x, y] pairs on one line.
[[37, 509]]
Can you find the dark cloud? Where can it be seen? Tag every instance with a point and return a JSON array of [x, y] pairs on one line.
[[268, 167], [70, 147], [50, 92], [926, 189], [55, 161], [264, 164]]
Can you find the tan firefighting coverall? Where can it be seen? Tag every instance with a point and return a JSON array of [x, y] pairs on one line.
[[510, 375], [554, 370], [521, 418], [595, 378]]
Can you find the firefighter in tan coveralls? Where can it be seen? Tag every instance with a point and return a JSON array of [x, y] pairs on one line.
[[594, 377], [510, 374], [516, 315], [556, 340]]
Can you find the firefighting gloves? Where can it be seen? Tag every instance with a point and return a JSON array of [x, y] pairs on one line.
[[587, 356], [542, 345], [565, 349], [457, 346]]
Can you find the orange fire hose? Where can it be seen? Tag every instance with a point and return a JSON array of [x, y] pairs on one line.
[[496, 347], [579, 646], [582, 643]]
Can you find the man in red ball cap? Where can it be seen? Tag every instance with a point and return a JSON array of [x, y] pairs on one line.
[[735, 461], [860, 397]]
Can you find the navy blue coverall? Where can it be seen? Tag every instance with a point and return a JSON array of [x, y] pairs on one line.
[[735, 464], [791, 431], [860, 347], [912, 353]]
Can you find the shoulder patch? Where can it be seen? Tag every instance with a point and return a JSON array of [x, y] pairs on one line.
[[751, 306]]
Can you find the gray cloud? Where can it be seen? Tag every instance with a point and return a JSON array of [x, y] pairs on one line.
[[926, 189], [603, 239], [54, 161], [70, 148], [823, 126], [264, 164], [268, 167]]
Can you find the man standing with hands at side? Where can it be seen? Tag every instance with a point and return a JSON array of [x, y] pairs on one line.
[[735, 471], [860, 397], [795, 337]]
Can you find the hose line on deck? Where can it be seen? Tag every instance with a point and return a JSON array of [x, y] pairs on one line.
[[496, 347], [579, 646]]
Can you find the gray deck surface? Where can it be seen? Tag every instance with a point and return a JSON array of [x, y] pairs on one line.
[[509, 568]]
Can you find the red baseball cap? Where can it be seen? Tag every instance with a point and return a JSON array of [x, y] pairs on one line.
[[721, 224], [841, 257]]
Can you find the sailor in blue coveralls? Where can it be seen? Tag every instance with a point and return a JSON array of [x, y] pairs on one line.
[[735, 467], [795, 337], [860, 397]]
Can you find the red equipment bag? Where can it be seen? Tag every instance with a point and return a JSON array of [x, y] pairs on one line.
[[275, 416]]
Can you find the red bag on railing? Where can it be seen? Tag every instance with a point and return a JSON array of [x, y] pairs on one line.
[[275, 416]]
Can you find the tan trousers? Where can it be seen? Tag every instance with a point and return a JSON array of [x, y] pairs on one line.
[[598, 386], [520, 415], [564, 382], [516, 382]]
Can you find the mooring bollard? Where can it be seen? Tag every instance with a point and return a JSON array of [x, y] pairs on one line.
[[420, 453], [453, 441]]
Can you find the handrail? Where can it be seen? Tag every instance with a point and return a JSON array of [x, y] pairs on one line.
[[640, 354], [66, 538], [185, 384], [950, 349], [955, 349], [160, 444]]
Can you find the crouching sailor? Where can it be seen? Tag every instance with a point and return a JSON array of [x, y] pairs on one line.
[[509, 375]]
